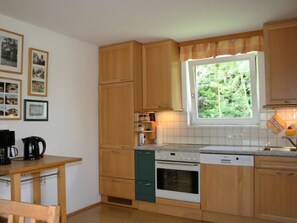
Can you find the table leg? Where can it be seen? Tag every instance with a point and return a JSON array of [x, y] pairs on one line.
[[36, 188], [15, 190], [62, 192], [15, 187]]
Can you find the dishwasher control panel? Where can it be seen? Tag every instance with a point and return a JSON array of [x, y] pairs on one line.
[[226, 159]]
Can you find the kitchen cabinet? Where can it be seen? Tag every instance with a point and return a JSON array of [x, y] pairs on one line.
[[117, 187], [122, 63], [117, 163], [119, 62], [227, 189], [117, 173], [116, 123], [161, 76], [145, 175], [276, 188], [120, 75], [280, 63]]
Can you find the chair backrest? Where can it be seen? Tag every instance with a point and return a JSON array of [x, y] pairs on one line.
[[34, 212]]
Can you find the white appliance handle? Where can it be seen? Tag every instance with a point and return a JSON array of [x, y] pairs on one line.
[[178, 163]]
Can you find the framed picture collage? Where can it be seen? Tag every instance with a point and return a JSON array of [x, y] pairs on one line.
[[11, 64]]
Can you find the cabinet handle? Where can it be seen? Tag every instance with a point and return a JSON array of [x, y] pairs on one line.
[[163, 106], [115, 151], [225, 161], [145, 184], [124, 147], [280, 174], [291, 101], [124, 79], [145, 153], [118, 181]]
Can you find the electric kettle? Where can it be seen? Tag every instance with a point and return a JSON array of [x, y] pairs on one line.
[[31, 148]]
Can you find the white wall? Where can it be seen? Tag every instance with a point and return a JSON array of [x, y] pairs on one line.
[[72, 129]]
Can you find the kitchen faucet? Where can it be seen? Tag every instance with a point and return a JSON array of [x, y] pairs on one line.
[[291, 141]]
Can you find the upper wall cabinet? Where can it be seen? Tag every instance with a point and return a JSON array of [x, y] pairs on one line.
[[281, 63], [119, 62], [122, 63], [161, 76]]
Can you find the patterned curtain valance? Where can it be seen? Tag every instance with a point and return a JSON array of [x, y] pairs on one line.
[[222, 47]]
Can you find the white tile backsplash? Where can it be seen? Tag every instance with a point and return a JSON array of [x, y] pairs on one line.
[[176, 130]]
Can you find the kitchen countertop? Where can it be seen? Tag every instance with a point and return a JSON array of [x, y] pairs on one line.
[[217, 149]]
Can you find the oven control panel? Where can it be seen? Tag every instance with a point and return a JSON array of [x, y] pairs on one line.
[[178, 156]]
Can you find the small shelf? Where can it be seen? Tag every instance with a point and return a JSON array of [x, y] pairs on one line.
[[145, 123], [144, 131]]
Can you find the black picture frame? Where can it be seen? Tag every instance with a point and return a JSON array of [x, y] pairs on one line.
[[35, 110]]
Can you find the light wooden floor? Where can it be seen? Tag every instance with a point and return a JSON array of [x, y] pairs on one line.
[[114, 214]]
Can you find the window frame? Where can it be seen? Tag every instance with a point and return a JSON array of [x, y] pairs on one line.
[[192, 93]]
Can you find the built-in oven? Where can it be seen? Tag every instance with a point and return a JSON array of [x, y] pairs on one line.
[[178, 175]]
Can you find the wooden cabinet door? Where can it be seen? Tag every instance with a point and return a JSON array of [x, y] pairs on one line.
[[116, 63], [161, 75], [276, 195], [280, 62], [227, 189], [116, 123], [117, 163], [116, 187]]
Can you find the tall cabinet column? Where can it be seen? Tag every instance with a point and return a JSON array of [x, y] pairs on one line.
[[119, 77]]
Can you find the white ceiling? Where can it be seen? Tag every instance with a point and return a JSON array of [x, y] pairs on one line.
[[103, 22]]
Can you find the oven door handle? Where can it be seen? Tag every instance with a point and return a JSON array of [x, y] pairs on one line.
[[178, 163]]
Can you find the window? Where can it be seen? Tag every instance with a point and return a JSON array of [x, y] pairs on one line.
[[223, 91]]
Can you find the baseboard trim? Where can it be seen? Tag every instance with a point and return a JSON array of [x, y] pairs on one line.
[[83, 209]]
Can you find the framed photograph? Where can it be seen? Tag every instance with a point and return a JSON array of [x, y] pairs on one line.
[[38, 72], [35, 110], [10, 98], [11, 52]]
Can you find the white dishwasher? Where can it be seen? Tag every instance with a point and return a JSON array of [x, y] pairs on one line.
[[227, 184]]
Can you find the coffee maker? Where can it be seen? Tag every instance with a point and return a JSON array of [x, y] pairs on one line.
[[7, 140]]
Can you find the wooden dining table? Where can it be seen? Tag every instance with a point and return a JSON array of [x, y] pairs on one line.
[[18, 168]]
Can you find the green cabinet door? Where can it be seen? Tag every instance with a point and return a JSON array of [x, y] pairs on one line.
[[145, 175], [145, 165], [145, 191]]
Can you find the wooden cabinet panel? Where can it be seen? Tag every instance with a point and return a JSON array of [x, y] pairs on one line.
[[280, 62], [161, 76], [276, 195], [276, 188], [117, 63], [228, 189], [276, 162], [116, 187], [117, 163], [116, 123], [121, 63]]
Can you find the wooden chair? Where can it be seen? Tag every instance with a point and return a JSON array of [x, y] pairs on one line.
[[34, 212]]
